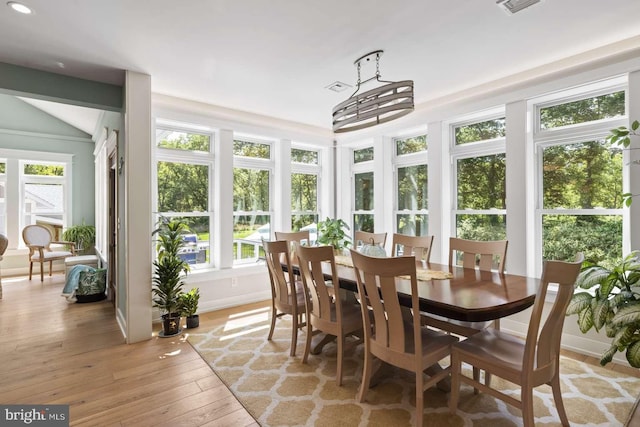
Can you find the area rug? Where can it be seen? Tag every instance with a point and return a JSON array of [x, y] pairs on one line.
[[279, 390]]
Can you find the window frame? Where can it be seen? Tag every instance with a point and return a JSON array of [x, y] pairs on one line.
[[255, 163], [357, 168], [308, 169], [188, 157], [419, 158], [573, 134], [482, 148]]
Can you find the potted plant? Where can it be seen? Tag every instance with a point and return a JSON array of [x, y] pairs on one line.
[[169, 270], [83, 235], [189, 306], [332, 232], [610, 299]]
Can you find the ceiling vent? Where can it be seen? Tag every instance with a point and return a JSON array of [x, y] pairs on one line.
[[513, 6], [338, 86]]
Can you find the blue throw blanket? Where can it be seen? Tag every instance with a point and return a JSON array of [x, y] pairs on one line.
[[73, 278]]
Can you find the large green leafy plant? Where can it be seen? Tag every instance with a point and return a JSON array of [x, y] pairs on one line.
[[622, 136], [83, 235], [609, 299], [169, 268], [332, 232]]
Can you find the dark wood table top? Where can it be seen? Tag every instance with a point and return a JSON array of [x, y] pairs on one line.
[[470, 295]]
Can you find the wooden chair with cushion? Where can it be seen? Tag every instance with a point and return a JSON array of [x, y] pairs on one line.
[[4, 242], [390, 338], [419, 246], [287, 297], [526, 362], [326, 313], [366, 238], [39, 240]]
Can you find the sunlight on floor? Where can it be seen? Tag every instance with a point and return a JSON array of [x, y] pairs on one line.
[[258, 318]]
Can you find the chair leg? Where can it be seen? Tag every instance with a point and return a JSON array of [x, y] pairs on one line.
[[294, 335], [273, 321], [366, 375], [30, 269], [455, 383], [557, 398], [419, 398], [527, 406], [340, 356], [41, 271], [307, 344], [50, 268]]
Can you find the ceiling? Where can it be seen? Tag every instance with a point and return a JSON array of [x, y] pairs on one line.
[[277, 57]]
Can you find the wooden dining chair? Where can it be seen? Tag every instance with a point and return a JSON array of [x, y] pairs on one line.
[[474, 254], [483, 255], [287, 296], [326, 310], [39, 240], [293, 236], [366, 238], [389, 337], [419, 246], [528, 362]]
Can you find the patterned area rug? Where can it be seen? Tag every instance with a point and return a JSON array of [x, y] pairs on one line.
[[279, 390]]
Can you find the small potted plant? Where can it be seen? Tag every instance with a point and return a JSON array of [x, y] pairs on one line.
[[609, 299], [189, 307], [83, 235], [332, 232], [169, 270]]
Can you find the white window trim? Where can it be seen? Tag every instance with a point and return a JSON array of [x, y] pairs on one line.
[[419, 158]]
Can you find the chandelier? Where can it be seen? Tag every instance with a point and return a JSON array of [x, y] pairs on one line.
[[382, 104]]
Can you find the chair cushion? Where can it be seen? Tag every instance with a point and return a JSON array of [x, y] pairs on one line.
[[51, 255]]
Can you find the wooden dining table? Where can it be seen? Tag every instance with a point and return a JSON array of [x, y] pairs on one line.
[[467, 295]]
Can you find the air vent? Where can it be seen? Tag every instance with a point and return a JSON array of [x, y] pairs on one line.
[[513, 6], [338, 86]]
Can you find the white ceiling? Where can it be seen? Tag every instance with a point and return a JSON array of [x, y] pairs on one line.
[[276, 57]]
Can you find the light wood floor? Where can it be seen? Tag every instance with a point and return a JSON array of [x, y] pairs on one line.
[[53, 352]]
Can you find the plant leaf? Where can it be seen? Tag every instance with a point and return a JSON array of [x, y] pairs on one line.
[[600, 311], [623, 337], [634, 126], [633, 354], [607, 356], [578, 302], [592, 276], [585, 319], [627, 315]]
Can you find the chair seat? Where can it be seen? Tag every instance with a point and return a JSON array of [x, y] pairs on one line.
[[495, 348], [51, 255]]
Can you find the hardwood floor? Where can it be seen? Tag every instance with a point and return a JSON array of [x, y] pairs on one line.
[[53, 352]]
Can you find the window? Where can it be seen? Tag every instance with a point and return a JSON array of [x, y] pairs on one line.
[[35, 188], [411, 186], [305, 171], [184, 169], [480, 191], [252, 173], [580, 177], [363, 208]]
